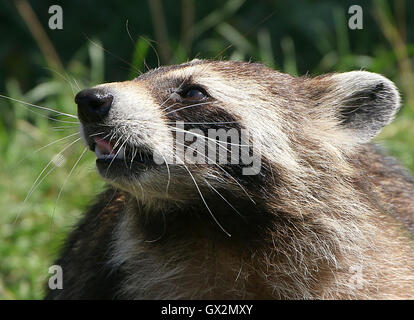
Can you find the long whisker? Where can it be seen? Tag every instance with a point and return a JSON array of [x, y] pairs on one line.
[[98, 133], [115, 145], [168, 99], [113, 55], [138, 203], [169, 175], [36, 183], [213, 122], [178, 89], [49, 144], [221, 196], [64, 77], [40, 107], [66, 180], [164, 229], [142, 189], [133, 43], [186, 107], [221, 168], [153, 48], [125, 142], [123, 121], [49, 118], [61, 128], [120, 120], [204, 201], [134, 154], [219, 143], [71, 85], [74, 80]]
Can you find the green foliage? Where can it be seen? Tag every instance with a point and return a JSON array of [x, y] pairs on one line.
[[31, 231]]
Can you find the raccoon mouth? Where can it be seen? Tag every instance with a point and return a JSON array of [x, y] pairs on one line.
[[108, 152], [105, 150]]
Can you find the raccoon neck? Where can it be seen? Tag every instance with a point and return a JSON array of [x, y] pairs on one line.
[[269, 254], [226, 217]]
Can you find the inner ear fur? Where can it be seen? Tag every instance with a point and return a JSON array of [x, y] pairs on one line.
[[364, 102]]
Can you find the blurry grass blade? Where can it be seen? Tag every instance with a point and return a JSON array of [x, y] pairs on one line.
[[265, 48], [13, 90], [96, 55], [341, 29], [235, 37], [217, 16], [43, 90], [386, 22], [328, 61], [180, 54], [323, 34], [160, 29], [4, 138], [39, 34], [187, 24], [383, 7], [289, 56], [237, 56], [139, 56]]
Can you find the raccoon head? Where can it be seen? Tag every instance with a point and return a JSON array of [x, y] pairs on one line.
[[197, 128]]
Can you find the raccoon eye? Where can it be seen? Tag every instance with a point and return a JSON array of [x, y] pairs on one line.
[[193, 93]]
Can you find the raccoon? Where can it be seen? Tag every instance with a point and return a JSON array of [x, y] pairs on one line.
[[327, 216]]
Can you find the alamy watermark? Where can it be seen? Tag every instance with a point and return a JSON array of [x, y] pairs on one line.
[[56, 280], [356, 280], [56, 18], [216, 146], [356, 19]]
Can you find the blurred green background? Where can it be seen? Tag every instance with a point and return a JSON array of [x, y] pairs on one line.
[[114, 41]]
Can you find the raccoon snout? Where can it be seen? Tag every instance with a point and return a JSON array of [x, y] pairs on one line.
[[93, 105]]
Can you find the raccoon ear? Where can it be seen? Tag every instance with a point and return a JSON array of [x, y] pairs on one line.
[[365, 102]]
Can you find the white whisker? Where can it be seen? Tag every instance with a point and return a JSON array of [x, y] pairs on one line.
[[40, 107], [36, 183], [67, 178], [221, 168], [115, 145], [49, 144], [214, 122], [218, 142], [186, 107], [204, 201], [221, 196]]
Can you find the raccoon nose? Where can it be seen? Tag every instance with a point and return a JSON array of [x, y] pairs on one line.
[[93, 104]]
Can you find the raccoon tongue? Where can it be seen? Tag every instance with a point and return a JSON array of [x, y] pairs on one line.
[[104, 147]]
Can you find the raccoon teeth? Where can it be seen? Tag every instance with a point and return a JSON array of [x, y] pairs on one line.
[[99, 154], [119, 154]]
